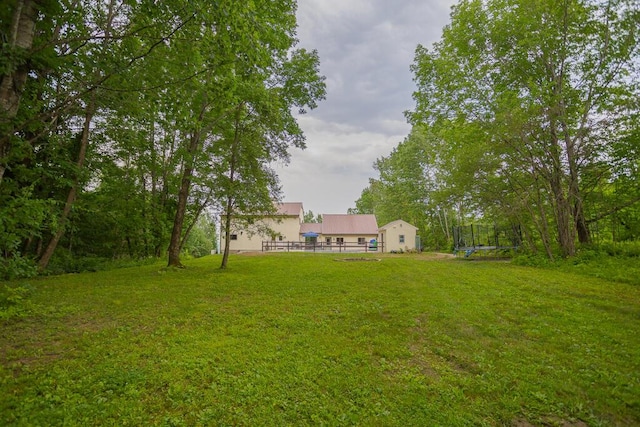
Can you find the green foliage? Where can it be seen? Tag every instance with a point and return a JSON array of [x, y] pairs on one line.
[[14, 301], [202, 239], [125, 120], [617, 262], [410, 187], [532, 105], [408, 340], [65, 261], [21, 217], [17, 266], [620, 249], [310, 217]]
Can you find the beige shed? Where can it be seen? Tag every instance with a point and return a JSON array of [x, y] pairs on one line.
[[398, 236]]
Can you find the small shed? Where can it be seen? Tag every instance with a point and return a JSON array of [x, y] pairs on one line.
[[398, 236]]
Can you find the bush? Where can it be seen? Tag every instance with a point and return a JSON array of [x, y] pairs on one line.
[[621, 249], [199, 243], [532, 260], [612, 261], [17, 267], [64, 261], [14, 301]]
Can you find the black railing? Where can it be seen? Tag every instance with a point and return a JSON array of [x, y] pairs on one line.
[[272, 245]]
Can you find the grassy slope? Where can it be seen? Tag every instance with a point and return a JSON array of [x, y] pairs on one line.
[[303, 339]]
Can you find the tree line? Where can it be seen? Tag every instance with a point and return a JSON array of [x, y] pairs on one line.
[[123, 123], [527, 113]]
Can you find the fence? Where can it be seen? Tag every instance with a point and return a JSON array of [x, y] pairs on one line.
[[271, 245], [472, 238]]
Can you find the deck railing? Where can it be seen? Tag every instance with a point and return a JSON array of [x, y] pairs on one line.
[[290, 246]]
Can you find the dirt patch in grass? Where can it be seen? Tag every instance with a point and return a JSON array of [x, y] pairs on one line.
[[440, 255], [357, 259]]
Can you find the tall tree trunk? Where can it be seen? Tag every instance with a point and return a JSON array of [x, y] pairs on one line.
[[175, 243], [560, 200], [90, 111], [227, 232], [183, 196], [21, 35], [229, 208], [73, 191], [562, 209], [584, 234], [575, 194], [162, 192]]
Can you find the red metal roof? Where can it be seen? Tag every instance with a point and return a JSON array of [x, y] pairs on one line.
[[313, 227], [289, 208], [349, 224]]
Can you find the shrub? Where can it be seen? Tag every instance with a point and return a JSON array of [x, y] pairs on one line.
[[14, 301], [532, 260], [65, 261], [198, 245], [623, 249], [17, 267]]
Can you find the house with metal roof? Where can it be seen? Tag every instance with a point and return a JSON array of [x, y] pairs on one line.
[[338, 229], [287, 231]]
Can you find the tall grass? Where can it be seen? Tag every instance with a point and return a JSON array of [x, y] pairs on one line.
[[619, 262], [301, 339]]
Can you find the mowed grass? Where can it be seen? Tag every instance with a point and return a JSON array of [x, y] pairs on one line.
[[304, 339]]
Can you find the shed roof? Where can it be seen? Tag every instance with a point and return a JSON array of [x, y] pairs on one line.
[[349, 224]]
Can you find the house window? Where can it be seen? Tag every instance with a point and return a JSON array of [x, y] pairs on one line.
[[340, 240], [401, 238], [361, 240], [233, 237], [328, 240], [280, 238]]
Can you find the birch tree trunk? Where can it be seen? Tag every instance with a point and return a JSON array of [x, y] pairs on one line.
[[21, 35]]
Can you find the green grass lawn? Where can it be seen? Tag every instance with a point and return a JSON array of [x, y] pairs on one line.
[[302, 339]]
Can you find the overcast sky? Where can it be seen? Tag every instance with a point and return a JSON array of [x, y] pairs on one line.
[[365, 48]]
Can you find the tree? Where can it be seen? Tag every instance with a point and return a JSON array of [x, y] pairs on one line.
[[521, 93], [63, 87], [263, 129], [410, 187], [310, 217], [243, 119], [134, 113]]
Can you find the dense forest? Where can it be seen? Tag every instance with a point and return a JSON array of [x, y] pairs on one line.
[[125, 124], [527, 114]]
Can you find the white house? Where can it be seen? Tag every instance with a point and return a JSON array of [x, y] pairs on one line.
[[284, 226]]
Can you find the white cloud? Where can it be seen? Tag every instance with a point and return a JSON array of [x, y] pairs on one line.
[[365, 48]]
